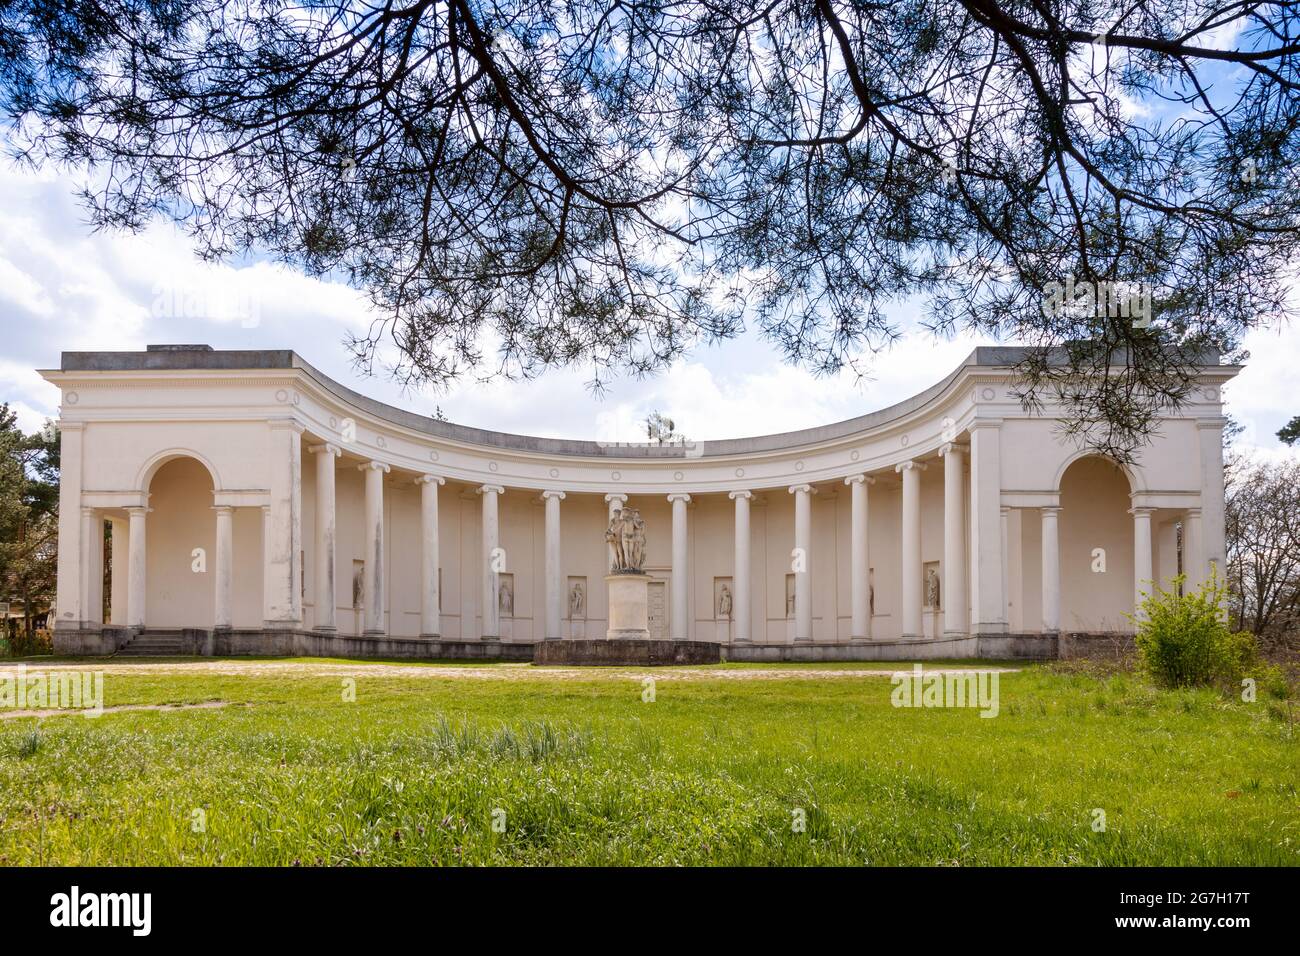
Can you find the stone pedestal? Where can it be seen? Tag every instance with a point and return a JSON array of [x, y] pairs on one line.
[[629, 607]]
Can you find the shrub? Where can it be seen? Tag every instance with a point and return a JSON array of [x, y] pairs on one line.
[[1183, 638]]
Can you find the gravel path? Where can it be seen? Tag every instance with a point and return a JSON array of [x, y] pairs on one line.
[[506, 671]]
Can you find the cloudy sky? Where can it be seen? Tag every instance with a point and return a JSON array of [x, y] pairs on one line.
[[62, 288]]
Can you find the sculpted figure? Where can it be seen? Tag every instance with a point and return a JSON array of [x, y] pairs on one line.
[[576, 600], [614, 537], [724, 602], [634, 540], [506, 600], [932, 588], [626, 536]]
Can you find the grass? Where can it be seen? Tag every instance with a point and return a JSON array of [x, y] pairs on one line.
[[581, 771]]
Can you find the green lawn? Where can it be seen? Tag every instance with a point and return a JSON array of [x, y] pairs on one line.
[[711, 772]]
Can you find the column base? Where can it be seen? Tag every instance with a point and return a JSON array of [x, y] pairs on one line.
[[430, 637], [374, 632], [860, 640], [491, 639], [326, 629], [803, 640]]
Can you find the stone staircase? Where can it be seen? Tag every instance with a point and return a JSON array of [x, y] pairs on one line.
[[154, 644]]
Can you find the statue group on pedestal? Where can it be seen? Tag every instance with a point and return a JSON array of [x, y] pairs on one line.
[[626, 537]]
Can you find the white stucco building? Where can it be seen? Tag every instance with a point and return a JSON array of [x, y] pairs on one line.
[[259, 507]]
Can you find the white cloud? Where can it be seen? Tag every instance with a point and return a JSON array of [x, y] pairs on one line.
[[63, 288]]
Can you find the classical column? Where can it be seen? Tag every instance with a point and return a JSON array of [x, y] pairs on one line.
[[614, 502], [282, 574], [860, 559], [801, 564], [92, 570], [1051, 572], [911, 559], [681, 588], [224, 567], [987, 575], [954, 597], [1004, 518], [740, 605], [554, 589], [326, 536], [374, 581], [70, 586], [493, 563], [430, 600], [1142, 573], [1194, 564], [118, 575], [1213, 535], [135, 587], [1165, 538], [266, 545]]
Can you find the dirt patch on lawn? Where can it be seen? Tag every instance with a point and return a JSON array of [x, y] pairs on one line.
[[85, 711], [502, 672]]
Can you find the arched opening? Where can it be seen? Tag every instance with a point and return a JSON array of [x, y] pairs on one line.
[[1096, 541], [180, 546]]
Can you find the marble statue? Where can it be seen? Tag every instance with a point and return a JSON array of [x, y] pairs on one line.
[[932, 588], [577, 601], [724, 602], [506, 600], [626, 536]]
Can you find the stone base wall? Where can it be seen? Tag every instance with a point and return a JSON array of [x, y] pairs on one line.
[[1097, 645], [626, 653], [257, 642], [89, 642], [292, 643]]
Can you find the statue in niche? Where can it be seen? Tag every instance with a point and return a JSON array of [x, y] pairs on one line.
[[871, 598], [724, 602], [357, 586], [577, 601], [932, 588], [506, 599], [626, 536]]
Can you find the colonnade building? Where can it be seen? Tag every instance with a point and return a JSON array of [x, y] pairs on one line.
[[257, 506]]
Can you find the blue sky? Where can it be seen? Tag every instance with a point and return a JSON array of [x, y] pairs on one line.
[[62, 288]]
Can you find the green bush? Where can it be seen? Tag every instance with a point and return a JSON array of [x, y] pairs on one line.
[[1183, 638]]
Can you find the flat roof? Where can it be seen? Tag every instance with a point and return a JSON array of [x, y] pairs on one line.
[[163, 358]]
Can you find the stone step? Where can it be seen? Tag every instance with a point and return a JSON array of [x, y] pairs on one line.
[[154, 644]]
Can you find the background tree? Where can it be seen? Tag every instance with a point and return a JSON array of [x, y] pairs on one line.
[[529, 184], [661, 429], [29, 498], [1263, 537], [1289, 433]]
